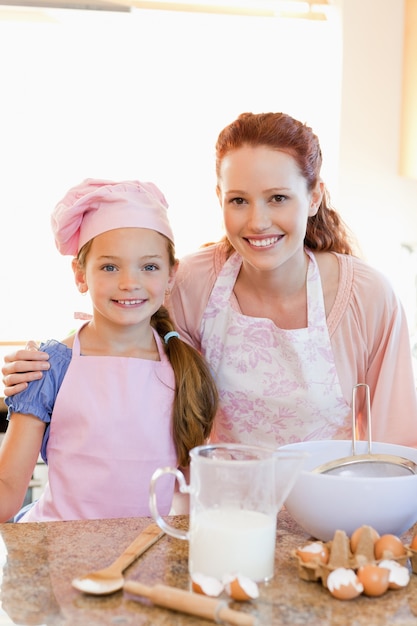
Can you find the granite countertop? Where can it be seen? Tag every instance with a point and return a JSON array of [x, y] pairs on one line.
[[39, 560]]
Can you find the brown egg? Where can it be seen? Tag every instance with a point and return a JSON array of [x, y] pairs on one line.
[[315, 551], [388, 547], [344, 584], [241, 588], [356, 535], [375, 579], [206, 585]]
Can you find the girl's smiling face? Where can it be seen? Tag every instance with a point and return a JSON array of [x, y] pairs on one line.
[[127, 272], [265, 204]]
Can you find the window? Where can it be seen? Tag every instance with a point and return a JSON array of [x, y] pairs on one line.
[[137, 95]]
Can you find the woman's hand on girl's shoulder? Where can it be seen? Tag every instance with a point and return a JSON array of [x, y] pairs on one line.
[[23, 366]]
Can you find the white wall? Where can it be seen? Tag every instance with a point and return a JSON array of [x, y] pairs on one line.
[[139, 95], [378, 204]]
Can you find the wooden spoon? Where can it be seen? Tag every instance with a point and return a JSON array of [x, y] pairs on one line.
[[110, 579]]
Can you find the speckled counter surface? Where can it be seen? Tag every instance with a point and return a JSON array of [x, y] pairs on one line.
[[39, 561]]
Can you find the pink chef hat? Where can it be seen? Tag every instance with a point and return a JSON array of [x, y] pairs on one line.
[[96, 206]]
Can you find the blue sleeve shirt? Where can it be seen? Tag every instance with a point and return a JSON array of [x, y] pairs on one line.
[[39, 397]]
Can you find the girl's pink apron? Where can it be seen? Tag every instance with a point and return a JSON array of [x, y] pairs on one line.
[[276, 386], [110, 429]]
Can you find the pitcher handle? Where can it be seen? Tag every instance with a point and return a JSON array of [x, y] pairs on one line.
[[178, 533]]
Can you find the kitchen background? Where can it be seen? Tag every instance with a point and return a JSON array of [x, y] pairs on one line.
[[143, 94]]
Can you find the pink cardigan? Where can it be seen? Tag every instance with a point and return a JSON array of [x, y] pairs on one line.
[[367, 327]]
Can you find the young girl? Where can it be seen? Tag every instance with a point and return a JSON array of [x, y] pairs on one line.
[[124, 395]]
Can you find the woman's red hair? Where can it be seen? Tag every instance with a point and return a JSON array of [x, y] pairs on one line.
[[279, 131]]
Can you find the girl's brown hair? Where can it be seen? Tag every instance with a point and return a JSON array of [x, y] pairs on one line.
[[196, 397], [279, 131]]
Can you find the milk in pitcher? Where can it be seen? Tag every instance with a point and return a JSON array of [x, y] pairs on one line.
[[233, 541]]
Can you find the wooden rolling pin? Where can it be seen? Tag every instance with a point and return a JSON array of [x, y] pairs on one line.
[[188, 602]]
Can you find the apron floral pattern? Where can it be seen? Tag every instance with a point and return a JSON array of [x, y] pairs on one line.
[[302, 397]]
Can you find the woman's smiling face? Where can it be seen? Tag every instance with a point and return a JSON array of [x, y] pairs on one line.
[[265, 204]]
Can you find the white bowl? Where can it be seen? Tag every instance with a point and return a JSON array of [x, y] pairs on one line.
[[322, 503]]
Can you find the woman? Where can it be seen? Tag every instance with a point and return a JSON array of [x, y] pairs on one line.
[[287, 317]]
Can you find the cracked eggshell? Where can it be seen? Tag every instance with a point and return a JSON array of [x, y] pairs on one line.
[[399, 575], [206, 585], [344, 584], [314, 551], [240, 587]]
